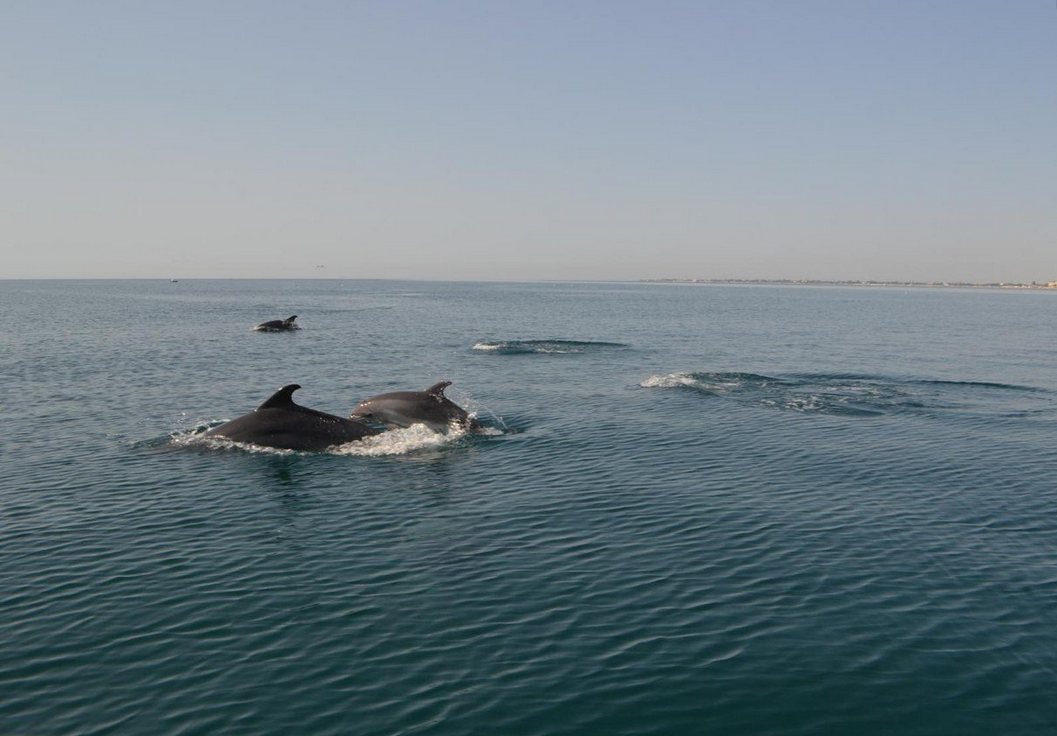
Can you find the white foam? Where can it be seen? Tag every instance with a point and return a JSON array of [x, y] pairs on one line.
[[183, 437], [812, 402], [672, 380], [556, 347], [399, 442], [720, 384], [222, 443]]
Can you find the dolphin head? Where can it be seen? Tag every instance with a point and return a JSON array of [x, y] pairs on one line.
[[390, 410], [363, 410]]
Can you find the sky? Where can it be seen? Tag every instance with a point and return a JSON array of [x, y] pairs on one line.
[[896, 140]]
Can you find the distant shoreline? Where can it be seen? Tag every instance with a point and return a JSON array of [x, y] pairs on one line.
[[1050, 286], [1035, 286]]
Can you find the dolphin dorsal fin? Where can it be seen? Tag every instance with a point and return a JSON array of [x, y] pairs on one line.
[[437, 389], [284, 397], [291, 319]]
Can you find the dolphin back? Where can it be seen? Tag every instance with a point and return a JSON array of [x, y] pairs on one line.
[[282, 424], [278, 325]]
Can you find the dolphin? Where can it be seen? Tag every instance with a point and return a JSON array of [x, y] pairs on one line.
[[281, 423], [404, 408], [278, 325]]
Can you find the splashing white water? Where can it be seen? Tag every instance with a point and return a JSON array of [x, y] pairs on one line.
[[556, 347], [710, 382], [415, 438], [672, 380]]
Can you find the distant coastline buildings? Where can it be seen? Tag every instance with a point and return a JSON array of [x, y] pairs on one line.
[[824, 282]]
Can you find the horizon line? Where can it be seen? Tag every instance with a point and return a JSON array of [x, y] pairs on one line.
[[731, 281]]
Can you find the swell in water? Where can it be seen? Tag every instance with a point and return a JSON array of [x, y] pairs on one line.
[[854, 394], [639, 561], [549, 347]]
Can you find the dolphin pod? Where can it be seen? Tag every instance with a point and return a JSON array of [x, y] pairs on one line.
[[282, 424]]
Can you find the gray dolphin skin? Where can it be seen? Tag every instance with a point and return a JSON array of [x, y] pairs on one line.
[[282, 424], [278, 325], [404, 408]]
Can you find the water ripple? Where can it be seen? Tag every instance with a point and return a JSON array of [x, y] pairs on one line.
[[678, 558], [860, 395], [545, 347]]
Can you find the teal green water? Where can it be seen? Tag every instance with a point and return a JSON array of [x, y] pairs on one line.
[[697, 509]]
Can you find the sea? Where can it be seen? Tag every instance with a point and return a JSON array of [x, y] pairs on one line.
[[692, 509]]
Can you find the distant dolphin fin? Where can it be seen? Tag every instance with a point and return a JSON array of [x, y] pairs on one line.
[[281, 398], [291, 319], [437, 389]]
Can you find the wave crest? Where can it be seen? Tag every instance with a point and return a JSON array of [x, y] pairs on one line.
[[707, 382], [845, 394], [557, 347]]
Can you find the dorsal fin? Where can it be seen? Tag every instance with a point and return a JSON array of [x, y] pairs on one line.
[[291, 319], [281, 398], [437, 389]]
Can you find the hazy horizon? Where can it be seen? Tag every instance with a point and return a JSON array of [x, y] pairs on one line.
[[890, 141], [660, 280]]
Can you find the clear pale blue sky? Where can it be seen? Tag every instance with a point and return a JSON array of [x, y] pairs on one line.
[[529, 140]]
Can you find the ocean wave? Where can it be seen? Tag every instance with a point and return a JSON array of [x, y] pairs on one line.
[[708, 382], [844, 394], [558, 347], [983, 384], [915, 380]]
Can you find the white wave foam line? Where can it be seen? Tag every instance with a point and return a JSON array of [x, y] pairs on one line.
[[390, 442], [183, 437], [399, 442], [672, 380], [542, 347], [800, 403], [222, 443]]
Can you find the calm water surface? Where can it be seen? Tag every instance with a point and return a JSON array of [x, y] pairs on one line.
[[698, 509]]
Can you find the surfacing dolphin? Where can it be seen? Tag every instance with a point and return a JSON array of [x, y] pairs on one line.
[[278, 325], [281, 423], [404, 408]]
